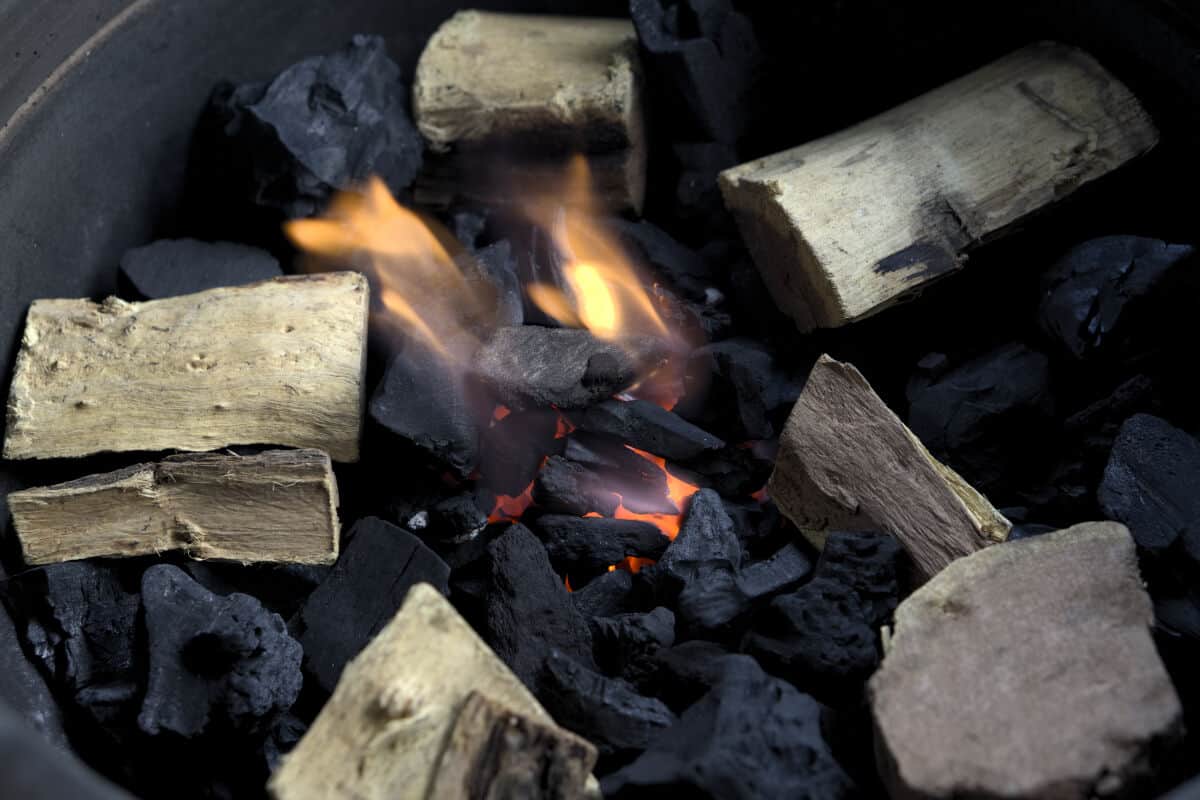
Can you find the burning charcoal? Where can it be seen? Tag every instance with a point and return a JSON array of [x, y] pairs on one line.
[[982, 416], [215, 662], [34, 769], [626, 644], [173, 267], [22, 689], [818, 638], [731, 471], [712, 603], [513, 448], [427, 404], [702, 59], [608, 712], [533, 367], [687, 671], [682, 267], [786, 569], [529, 612], [569, 488], [641, 484], [869, 564], [606, 596], [1091, 292], [456, 519], [587, 546], [706, 537], [649, 427], [734, 387], [324, 124], [751, 737], [374, 572], [1152, 484]]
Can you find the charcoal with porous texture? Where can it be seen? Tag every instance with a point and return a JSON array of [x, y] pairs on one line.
[[818, 638], [528, 366], [568, 488], [986, 416], [734, 388], [712, 604], [703, 62], [22, 688], [512, 449], [732, 471], [641, 483], [787, 568], [366, 587], [457, 518], [626, 644], [706, 538], [171, 267], [588, 546], [870, 564], [752, 737], [650, 427], [529, 612], [606, 596], [608, 712], [217, 664], [430, 406], [1092, 293], [686, 672], [326, 123]]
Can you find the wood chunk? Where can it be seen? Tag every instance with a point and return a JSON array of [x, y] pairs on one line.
[[847, 225], [493, 753], [846, 462], [277, 506], [381, 734], [277, 362], [505, 97]]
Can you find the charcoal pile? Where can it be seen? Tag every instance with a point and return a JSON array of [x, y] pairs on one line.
[[601, 488]]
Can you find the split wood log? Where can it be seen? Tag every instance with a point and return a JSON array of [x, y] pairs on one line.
[[495, 754], [277, 362], [847, 225], [846, 462], [382, 732], [279, 506], [504, 98]]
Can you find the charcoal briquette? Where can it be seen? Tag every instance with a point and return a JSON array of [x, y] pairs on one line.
[[706, 537], [588, 546]]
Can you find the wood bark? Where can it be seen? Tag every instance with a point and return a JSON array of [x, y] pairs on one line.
[[846, 462], [277, 506], [277, 362], [503, 99], [496, 754], [382, 732], [847, 225]]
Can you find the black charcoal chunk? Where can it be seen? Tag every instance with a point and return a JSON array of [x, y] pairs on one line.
[[608, 712], [752, 737], [706, 538], [216, 663], [641, 483], [681, 266], [428, 405], [734, 388], [649, 427], [587, 546], [818, 638], [528, 366], [512, 449], [732, 471], [529, 611], [33, 769], [455, 519], [712, 604], [786, 569], [22, 688], [366, 587], [1091, 292], [986, 416], [282, 588], [498, 266], [702, 62], [626, 644], [568, 488], [869, 563], [1152, 485], [606, 596], [173, 267], [684, 673], [324, 124]]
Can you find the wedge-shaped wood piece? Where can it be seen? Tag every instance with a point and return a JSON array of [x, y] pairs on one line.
[[382, 733], [278, 506], [844, 226], [277, 362], [495, 753], [846, 462], [504, 98]]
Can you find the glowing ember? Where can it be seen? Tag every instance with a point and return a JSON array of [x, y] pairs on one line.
[[510, 509]]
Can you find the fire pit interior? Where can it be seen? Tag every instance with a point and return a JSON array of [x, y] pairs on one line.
[[691, 398]]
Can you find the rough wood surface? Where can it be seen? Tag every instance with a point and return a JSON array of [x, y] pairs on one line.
[[381, 734], [277, 362], [846, 462], [846, 225], [496, 754], [278, 506], [505, 97]]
